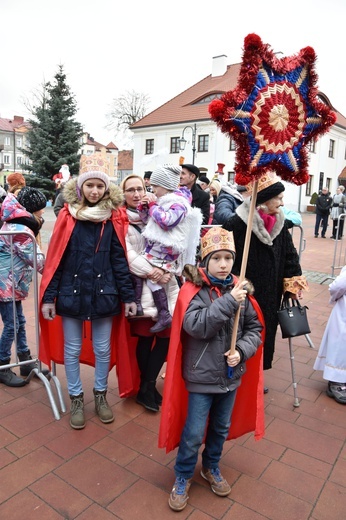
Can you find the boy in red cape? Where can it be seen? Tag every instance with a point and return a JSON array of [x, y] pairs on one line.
[[203, 377]]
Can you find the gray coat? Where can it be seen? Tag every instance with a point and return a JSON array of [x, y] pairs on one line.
[[208, 325]]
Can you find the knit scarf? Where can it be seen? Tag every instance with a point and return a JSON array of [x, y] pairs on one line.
[[269, 220], [92, 213]]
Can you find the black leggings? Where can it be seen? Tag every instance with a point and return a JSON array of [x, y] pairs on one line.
[[150, 360]]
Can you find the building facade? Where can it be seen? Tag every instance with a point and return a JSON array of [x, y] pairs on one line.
[[185, 120]]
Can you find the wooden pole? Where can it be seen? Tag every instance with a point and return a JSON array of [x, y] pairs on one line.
[[244, 261]]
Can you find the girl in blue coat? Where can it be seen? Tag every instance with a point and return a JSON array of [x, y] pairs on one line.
[[86, 279]]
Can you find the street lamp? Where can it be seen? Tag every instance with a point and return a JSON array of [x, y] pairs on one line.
[[182, 141]]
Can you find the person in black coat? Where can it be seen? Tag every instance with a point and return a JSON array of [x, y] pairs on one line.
[[324, 204], [200, 198], [273, 262]]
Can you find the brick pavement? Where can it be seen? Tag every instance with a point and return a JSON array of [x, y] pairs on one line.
[[116, 471]]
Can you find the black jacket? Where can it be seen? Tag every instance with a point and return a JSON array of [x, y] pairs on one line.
[[200, 199], [323, 204]]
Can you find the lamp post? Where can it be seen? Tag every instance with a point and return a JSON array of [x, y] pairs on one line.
[[182, 141]]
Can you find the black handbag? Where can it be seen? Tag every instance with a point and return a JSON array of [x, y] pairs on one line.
[[293, 319]]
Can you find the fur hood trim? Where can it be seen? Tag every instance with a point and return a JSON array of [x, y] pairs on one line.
[[115, 199], [258, 225]]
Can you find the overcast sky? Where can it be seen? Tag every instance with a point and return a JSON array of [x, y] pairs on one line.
[[156, 47]]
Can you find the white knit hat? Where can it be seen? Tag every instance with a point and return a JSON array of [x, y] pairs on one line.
[[167, 176], [93, 166]]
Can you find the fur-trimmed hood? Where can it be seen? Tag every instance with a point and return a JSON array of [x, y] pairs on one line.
[[115, 199], [258, 227], [198, 277]]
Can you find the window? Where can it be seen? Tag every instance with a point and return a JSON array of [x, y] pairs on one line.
[[19, 142], [19, 161], [312, 146], [7, 141], [174, 145], [231, 145], [331, 148], [7, 159], [203, 143], [231, 177], [149, 146], [308, 186]]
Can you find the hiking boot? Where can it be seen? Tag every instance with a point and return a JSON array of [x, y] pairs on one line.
[[179, 494], [26, 369], [9, 378], [218, 484], [338, 391], [146, 396], [77, 420], [102, 408]]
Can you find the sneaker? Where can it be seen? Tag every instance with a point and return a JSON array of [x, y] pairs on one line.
[[218, 484], [338, 391], [179, 494]]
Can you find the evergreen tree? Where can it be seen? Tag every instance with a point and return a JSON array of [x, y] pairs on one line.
[[54, 137]]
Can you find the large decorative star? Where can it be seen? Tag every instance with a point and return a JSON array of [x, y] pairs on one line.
[[273, 113]]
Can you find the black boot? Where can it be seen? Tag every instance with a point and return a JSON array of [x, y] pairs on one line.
[[146, 396], [9, 378], [138, 294], [164, 317], [26, 369]]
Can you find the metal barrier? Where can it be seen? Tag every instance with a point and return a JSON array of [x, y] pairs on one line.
[[38, 371], [339, 256]]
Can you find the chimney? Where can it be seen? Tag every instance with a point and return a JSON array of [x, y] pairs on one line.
[[18, 119], [219, 65]]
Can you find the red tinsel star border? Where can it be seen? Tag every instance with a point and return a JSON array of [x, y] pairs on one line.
[[291, 80]]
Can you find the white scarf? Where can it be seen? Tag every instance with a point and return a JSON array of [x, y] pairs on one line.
[[92, 213]]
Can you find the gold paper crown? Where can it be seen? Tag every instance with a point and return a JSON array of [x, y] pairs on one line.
[[94, 163], [265, 181], [217, 239]]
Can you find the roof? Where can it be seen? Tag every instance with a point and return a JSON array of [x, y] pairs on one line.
[[8, 125], [111, 146], [183, 108]]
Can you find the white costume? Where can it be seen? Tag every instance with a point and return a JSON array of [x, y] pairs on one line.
[[331, 356]]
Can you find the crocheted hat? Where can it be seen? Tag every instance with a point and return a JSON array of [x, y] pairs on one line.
[[31, 199], [269, 186], [217, 239], [93, 166], [167, 176]]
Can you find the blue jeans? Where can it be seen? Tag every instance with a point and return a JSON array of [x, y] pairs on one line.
[[101, 334], [218, 407], [8, 333]]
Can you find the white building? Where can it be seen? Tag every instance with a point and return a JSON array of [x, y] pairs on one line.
[[157, 136]]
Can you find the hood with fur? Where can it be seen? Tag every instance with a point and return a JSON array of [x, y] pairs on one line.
[[116, 197]]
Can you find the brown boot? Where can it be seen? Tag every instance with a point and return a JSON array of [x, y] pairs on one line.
[[102, 408], [164, 318], [77, 420]]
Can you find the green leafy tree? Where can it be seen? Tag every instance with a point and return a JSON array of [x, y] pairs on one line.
[[54, 136]]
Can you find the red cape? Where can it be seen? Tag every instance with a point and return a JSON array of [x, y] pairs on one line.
[[123, 345], [248, 412]]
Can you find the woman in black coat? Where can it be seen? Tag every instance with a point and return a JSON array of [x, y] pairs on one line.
[[273, 262]]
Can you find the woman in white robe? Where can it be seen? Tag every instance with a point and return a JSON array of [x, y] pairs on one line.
[[331, 356]]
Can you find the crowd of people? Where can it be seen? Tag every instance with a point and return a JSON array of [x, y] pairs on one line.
[[132, 280]]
